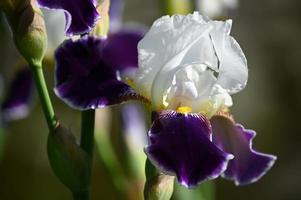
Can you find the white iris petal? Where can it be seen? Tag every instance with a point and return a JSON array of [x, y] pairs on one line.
[[190, 61]]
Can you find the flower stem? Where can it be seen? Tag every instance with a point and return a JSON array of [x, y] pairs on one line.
[[87, 144], [44, 96], [87, 132]]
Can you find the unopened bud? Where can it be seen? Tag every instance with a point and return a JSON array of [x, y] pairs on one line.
[[158, 186], [68, 161], [28, 28]]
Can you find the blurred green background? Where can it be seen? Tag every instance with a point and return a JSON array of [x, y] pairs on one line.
[[268, 32]]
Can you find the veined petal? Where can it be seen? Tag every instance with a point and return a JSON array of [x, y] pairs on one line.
[[17, 102], [164, 48], [248, 165], [85, 79], [179, 44], [81, 15], [181, 144]]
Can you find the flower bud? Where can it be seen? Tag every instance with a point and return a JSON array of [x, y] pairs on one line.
[[103, 25], [158, 186], [68, 161], [28, 28]]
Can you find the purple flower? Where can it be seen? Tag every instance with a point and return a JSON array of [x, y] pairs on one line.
[[16, 103], [81, 15], [191, 65], [248, 165], [188, 68], [88, 71], [181, 144]]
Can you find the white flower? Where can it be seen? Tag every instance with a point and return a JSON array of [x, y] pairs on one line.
[[190, 61]]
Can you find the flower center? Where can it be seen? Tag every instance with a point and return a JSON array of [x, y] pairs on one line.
[[189, 87], [184, 109]]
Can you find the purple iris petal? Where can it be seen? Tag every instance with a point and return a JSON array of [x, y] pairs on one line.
[[17, 102], [121, 50], [181, 144], [81, 15], [85, 78], [248, 165]]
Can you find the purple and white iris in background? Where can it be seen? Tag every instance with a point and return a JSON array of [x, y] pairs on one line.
[[188, 68], [18, 99], [216, 9], [81, 15]]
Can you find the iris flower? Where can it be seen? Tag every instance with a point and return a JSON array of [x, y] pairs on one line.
[[81, 15], [188, 68], [217, 8], [17, 101]]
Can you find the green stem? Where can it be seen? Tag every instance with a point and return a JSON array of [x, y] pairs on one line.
[[87, 132], [44, 96], [87, 144]]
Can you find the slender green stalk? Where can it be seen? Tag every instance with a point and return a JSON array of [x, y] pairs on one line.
[[87, 132], [87, 144], [44, 96]]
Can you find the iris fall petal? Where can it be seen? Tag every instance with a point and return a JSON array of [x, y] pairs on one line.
[[248, 165], [181, 144], [85, 79]]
